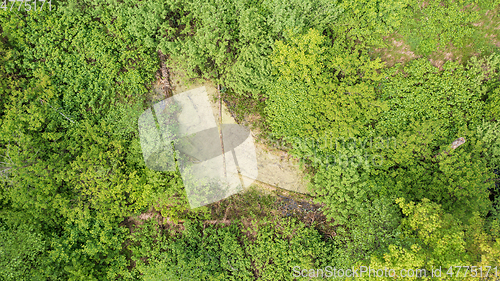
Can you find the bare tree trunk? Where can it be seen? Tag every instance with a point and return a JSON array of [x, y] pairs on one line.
[[165, 76], [458, 142]]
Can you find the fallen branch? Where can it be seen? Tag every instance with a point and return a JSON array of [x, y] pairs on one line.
[[165, 79], [458, 142], [42, 102]]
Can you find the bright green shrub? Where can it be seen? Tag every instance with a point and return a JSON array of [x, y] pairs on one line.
[[369, 232], [69, 149], [283, 244], [344, 185], [370, 20], [233, 39], [212, 253], [428, 110], [431, 238], [489, 134], [23, 252], [321, 93], [266, 250], [490, 66], [451, 98], [91, 249], [354, 201]]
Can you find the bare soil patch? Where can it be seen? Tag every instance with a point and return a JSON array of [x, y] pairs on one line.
[[397, 51]]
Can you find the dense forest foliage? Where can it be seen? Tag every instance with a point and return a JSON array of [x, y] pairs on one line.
[[372, 124]]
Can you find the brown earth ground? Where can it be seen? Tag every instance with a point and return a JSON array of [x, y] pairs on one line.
[[397, 51]]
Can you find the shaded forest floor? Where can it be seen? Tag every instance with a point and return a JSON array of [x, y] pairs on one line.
[[254, 204], [398, 50], [258, 201]]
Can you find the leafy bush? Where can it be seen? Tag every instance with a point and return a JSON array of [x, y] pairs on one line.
[[344, 186], [197, 254], [368, 233], [91, 249], [23, 252], [489, 134], [430, 238], [428, 111], [283, 244], [321, 93], [452, 98], [265, 250], [69, 150]]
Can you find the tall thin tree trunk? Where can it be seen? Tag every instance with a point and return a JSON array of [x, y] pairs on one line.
[[220, 132]]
